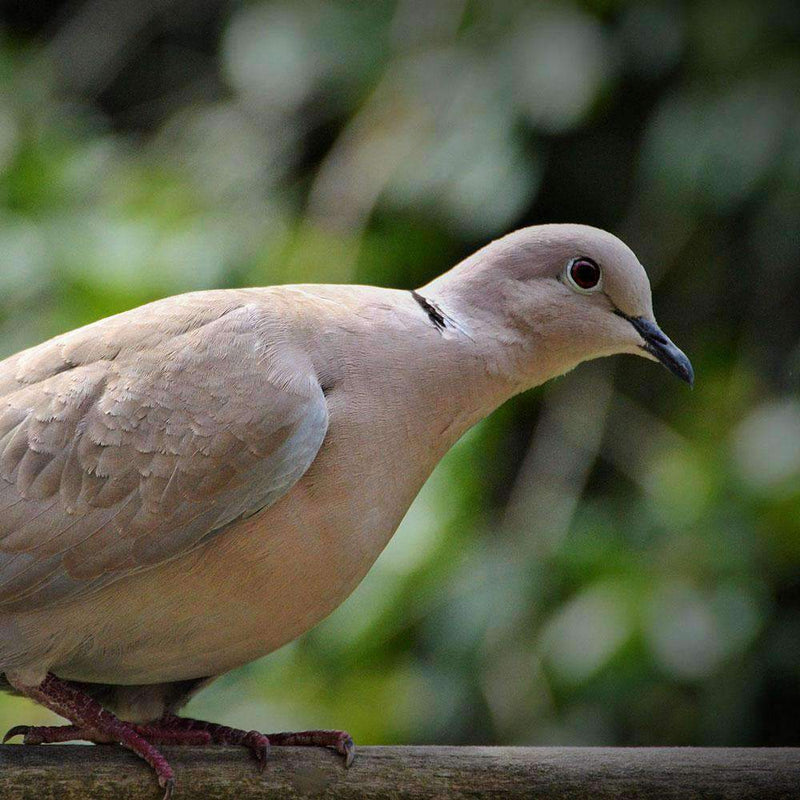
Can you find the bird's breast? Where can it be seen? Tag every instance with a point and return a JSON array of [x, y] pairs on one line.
[[260, 583]]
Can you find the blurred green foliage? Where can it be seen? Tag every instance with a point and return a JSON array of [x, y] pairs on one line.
[[608, 559]]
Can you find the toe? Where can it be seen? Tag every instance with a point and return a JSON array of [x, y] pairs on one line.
[[348, 750], [261, 755], [258, 744], [169, 787], [17, 730]]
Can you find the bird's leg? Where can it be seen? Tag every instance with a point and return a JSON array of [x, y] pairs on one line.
[[259, 743], [94, 723]]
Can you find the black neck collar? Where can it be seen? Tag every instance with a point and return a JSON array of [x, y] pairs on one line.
[[434, 314]]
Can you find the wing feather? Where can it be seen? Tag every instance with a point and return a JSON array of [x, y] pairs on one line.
[[130, 441]]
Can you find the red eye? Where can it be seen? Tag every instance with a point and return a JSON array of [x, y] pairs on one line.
[[585, 273]]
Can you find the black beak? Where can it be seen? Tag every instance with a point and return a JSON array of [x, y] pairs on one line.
[[658, 344]]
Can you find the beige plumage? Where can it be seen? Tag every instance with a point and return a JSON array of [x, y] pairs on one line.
[[189, 485]]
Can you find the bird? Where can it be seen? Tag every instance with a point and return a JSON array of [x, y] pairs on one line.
[[189, 485]]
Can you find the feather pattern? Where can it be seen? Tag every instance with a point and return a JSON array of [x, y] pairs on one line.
[[130, 441]]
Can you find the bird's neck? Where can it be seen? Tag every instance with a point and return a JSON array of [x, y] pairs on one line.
[[505, 355], [429, 364]]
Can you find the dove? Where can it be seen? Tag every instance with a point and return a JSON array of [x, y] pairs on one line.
[[187, 486]]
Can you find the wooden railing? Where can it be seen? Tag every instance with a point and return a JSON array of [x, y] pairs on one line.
[[540, 773]]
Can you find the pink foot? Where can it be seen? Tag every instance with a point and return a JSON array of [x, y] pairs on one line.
[[50, 734], [256, 742], [259, 743], [340, 741], [91, 722]]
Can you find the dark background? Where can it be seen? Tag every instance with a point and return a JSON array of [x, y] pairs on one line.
[[610, 559]]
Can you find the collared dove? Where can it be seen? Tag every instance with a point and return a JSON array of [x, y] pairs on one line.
[[187, 486]]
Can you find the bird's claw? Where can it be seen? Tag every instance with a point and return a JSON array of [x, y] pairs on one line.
[[348, 750], [340, 741], [168, 785], [258, 744], [17, 730], [343, 744]]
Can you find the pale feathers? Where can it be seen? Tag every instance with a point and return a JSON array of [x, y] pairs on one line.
[[126, 443], [192, 484]]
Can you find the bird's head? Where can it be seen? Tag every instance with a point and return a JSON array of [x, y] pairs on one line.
[[564, 294]]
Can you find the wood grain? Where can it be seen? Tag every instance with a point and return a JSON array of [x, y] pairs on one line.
[[541, 773]]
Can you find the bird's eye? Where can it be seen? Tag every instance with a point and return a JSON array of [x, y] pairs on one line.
[[584, 274]]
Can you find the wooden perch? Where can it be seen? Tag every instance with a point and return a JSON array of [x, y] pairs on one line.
[[541, 773]]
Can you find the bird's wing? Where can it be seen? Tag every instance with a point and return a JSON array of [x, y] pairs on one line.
[[132, 440]]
